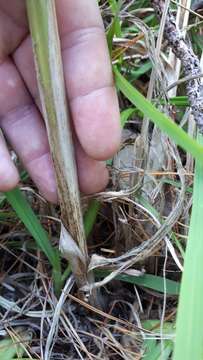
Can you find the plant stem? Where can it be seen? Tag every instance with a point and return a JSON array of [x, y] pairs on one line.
[[47, 52]]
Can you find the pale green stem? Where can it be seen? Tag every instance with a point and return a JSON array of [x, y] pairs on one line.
[[47, 52]]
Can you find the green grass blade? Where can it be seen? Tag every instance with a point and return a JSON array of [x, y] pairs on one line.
[[147, 280], [110, 34], [179, 101], [2, 200], [115, 8], [8, 350], [157, 353], [150, 346], [142, 69], [189, 333], [25, 213], [90, 216], [14, 347], [155, 350], [125, 115], [166, 124]]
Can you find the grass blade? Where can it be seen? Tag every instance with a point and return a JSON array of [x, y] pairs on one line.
[[157, 353], [91, 215], [115, 8], [166, 124], [147, 280], [189, 333], [14, 346], [155, 350], [25, 213], [125, 115]]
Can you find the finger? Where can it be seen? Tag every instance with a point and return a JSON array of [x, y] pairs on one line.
[[23, 127], [88, 75], [13, 26], [25, 130], [92, 174], [8, 173]]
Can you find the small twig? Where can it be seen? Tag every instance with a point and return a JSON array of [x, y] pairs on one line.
[[191, 11], [185, 79]]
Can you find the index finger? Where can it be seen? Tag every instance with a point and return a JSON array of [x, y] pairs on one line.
[[88, 76]]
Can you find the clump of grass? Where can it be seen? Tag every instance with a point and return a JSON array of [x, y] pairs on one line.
[[139, 316]]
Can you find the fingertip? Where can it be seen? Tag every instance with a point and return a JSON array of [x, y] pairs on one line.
[[93, 175], [105, 147], [42, 173], [97, 123], [50, 196], [95, 180], [9, 177]]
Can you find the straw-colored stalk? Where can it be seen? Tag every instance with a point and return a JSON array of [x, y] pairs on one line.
[[47, 53]]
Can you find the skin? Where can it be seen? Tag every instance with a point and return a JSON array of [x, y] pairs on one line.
[[90, 92]]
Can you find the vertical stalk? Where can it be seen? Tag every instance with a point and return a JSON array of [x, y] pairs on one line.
[[47, 53], [189, 332]]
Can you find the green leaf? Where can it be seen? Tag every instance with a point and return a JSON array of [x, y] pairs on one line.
[[31, 222], [189, 333], [179, 101], [8, 349], [14, 347], [143, 69], [166, 124], [125, 115], [90, 216], [110, 34], [2, 200], [157, 352], [154, 350], [147, 280], [115, 8]]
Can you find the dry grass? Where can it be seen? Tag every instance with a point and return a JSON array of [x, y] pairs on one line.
[[142, 224]]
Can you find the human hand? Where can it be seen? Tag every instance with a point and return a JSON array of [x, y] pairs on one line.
[[91, 95]]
